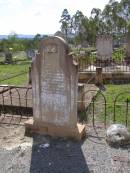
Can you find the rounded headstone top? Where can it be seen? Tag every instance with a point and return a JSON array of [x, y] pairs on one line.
[[54, 40], [104, 37]]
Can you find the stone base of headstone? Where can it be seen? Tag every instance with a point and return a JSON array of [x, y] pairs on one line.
[[76, 133]]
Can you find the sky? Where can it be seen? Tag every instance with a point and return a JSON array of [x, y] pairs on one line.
[[40, 16]]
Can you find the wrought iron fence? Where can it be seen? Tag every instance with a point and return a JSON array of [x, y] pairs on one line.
[[101, 111], [117, 63], [86, 65], [16, 107], [15, 104]]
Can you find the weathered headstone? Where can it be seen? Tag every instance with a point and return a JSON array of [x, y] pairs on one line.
[[128, 47], [104, 45], [31, 54], [8, 58], [54, 85]]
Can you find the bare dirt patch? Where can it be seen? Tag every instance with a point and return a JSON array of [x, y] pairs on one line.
[[43, 154]]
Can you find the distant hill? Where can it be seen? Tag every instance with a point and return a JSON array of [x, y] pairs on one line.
[[25, 36], [19, 36]]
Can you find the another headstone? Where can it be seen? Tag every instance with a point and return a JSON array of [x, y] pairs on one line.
[[54, 85], [8, 58], [128, 47], [31, 54], [104, 45]]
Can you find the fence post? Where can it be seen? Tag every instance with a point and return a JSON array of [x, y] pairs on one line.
[[99, 77], [29, 76], [81, 104]]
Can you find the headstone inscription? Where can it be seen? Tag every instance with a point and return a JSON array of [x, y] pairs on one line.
[[54, 86]]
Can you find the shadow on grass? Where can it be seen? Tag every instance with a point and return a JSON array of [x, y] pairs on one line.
[[62, 156]]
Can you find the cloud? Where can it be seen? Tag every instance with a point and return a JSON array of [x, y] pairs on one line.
[[38, 13], [11, 3], [40, 16]]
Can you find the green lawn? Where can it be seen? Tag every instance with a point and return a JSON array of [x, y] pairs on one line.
[[8, 71]]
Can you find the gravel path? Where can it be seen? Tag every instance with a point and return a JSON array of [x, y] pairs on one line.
[[40, 154]]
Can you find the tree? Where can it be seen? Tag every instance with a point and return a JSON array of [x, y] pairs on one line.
[[36, 40], [114, 19], [128, 26], [65, 22], [96, 13], [96, 16], [125, 4], [76, 22]]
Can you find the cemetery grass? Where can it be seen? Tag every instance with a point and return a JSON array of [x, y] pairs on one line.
[[11, 70], [118, 55], [111, 92]]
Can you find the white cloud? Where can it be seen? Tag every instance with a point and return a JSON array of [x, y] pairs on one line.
[[40, 16], [10, 3]]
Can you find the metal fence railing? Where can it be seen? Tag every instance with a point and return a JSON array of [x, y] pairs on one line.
[[118, 62], [86, 65], [103, 111], [15, 104]]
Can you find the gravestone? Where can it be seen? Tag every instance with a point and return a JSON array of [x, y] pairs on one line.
[[128, 47], [8, 58], [104, 46], [31, 54], [54, 86]]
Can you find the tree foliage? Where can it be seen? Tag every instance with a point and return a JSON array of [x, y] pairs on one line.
[[20, 44], [113, 19]]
